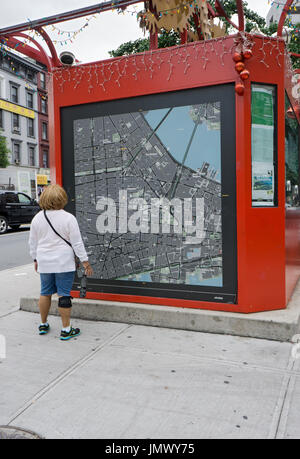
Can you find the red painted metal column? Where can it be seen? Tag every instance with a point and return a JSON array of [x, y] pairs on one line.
[[153, 40], [183, 36], [283, 17]]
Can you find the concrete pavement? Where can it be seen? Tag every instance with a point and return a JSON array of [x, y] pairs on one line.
[[122, 381]]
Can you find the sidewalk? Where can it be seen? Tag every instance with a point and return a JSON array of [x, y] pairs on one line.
[[131, 381]]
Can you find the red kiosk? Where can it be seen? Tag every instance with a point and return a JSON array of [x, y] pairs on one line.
[[182, 167]]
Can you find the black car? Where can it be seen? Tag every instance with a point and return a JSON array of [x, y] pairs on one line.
[[16, 209]]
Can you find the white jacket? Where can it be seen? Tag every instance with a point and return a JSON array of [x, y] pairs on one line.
[[52, 253]]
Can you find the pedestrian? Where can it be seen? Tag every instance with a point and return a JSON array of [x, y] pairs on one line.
[[51, 232]]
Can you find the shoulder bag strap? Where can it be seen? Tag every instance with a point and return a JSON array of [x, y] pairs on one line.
[[69, 243]]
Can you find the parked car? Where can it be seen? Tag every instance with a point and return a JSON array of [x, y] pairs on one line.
[[16, 209]]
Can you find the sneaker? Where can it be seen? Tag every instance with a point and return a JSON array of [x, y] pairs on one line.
[[44, 329], [71, 334]]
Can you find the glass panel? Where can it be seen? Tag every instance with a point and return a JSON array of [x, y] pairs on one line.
[[16, 120], [45, 159], [44, 131], [29, 100], [23, 199], [291, 156], [31, 151], [11, 198], [43, 80], [14, 94], [148, 194], [263, 146], [30, 127], [16, 151]]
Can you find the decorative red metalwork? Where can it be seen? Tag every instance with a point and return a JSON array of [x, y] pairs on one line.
[[40, 48], [8, 33], [55, 59], [68, 16], [33, 53], [283, 17], [221, 12]]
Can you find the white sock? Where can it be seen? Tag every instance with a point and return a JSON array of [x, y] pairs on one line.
[[67, 329], [46, 323]]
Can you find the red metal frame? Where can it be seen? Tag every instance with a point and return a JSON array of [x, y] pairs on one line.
[[261, 232], [67, 16], [283, 17], [44, 55], [9, 32]]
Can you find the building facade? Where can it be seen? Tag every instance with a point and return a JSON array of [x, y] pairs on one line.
[[23, 121], [276, 11]]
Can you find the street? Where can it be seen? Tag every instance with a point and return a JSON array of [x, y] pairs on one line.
[[14, 248]]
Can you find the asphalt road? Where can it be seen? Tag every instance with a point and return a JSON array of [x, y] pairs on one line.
[[14, 248]]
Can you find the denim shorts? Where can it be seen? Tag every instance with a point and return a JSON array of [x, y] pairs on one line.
[[60, 283]]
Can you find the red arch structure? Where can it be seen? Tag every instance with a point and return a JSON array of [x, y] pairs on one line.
[[283, 17], [8, 34], [42, 55]]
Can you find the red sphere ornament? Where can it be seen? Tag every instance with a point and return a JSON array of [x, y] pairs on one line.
[[239, 67], [247, 54], [237, 57], [239, 89], [245, 74]]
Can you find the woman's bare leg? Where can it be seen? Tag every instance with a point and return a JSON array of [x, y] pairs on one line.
[[44, 305]]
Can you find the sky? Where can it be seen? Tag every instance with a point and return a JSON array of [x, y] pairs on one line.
[[105, 32]]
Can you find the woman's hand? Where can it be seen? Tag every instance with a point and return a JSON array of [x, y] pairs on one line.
[[35, 266], [88, 270]]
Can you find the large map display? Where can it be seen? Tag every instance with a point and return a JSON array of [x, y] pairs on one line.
[[148, 194]]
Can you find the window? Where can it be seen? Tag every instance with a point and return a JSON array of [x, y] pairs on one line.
[[31, 156], [16, 122], [30, 75], [14, 94], [11, 198], [22, 71], [30, 125], [43, 80], [29, 99], [44, 131], [292, 178], [264, 141], [6, 64], [1, 119], [16, 152], [44, 105], [45, 159], [23, 199], [2, 88]]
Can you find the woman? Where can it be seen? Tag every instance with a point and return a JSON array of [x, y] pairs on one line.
[[54, 258]]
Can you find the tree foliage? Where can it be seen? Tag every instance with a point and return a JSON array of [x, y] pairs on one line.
[[252, 19], [4, 151], [143, 44]]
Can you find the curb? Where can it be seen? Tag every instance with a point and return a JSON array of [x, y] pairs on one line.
[[271, 325]]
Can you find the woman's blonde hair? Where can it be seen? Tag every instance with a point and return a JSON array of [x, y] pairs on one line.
[[53, 197]]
